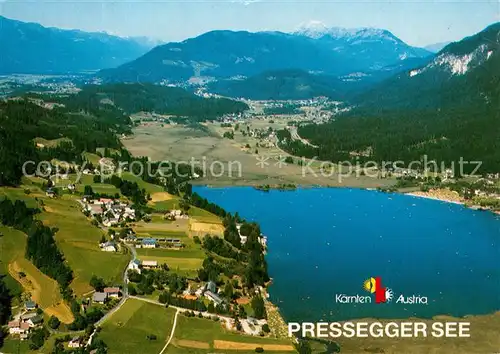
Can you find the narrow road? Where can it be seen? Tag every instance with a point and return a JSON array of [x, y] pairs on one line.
[[124, 292], [171, 333], [295, 136], [180, 309]]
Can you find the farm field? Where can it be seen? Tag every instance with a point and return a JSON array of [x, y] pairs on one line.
[[79, 242], [51, 143], [102, 188], [11, 346], [202, 215], [127, 329], [185, 261], [164, 205], [25, 277], [179, 142], [170, 253], [195, 335], [76, 237], [160, 225]]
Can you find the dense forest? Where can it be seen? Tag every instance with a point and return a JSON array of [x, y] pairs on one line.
[[5, 309], [22, 121], [406, 135]]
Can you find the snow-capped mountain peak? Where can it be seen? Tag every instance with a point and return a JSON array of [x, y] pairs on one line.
[[314, 29], [317, 29]]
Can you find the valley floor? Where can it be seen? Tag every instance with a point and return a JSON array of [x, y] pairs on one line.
[[244, 160]]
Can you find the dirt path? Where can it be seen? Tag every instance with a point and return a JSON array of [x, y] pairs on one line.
[[171, 333]]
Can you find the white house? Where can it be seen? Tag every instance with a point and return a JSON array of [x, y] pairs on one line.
[[108, 247], [135, 265]]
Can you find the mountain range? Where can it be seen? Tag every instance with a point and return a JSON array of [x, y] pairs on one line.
[[225, 54], [447, 109], [30, 48], [463, 73]]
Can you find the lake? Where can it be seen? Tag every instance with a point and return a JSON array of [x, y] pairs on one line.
[[323, 242]]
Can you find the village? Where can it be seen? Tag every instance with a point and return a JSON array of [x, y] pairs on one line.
[[111, 214]]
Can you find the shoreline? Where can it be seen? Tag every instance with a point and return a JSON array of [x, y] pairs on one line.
[[417, 195], [457, 200], [438, 196]]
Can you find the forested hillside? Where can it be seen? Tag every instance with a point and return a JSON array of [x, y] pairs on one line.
[[464, 73], [22, 121], [133, 98], [447, 110], [282, 85]]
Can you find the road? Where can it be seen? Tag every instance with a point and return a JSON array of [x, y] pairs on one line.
[[295, 136], [180, 309], [124, 291]]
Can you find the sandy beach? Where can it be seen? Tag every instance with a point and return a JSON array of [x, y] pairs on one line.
[[444, 195]]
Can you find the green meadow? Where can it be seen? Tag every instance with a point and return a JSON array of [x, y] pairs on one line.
[[79, 240], [192, 331], [126, 331]]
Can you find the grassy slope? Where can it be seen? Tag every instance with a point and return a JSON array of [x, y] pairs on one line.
[[150, 188], [12, 247], [76, 237], [44, 290], [126, 330], [79, 242], [206, 331]]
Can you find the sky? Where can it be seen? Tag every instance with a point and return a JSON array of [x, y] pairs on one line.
[[418, 23]]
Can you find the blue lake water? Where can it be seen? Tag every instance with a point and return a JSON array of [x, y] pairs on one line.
[[323, 242]]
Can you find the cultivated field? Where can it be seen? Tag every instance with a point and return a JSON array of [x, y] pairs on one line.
[[77, 239], [127, 329], [11, 346], [79, 242], [241, 164], [186, 260], [195, 335], [42, 289]]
